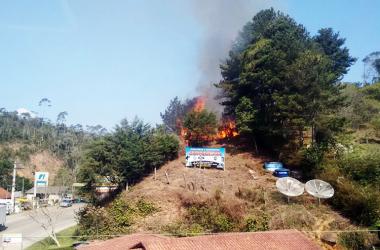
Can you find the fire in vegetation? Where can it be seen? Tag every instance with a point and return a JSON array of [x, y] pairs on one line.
[[199, 104], [226, 129]]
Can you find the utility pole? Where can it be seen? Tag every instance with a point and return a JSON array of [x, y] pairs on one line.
[[23, 189], [13, 187]]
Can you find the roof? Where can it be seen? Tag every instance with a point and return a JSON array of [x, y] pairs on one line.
[[4, 194], [273, 240], [49, 190]]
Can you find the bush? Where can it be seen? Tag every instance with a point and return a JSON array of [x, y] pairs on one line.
[[145, 208], [214, 215], [99, 222], [359, 203], [183, 229], [259, 222], [255, 196], [355, 240], [363, 166], [292, 217]]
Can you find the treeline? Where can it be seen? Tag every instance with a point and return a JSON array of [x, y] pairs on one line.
[[36, 134], [283, 87], [126, 155], [40, 134]]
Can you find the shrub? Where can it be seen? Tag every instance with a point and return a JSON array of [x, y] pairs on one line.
[[223, 223], [258, 222], [94, 221], [183, 229], [121, 213], [360, 204], [145, 208], [294, 217], [255, 196], [214, 215], [355, 240], [99, 222], [363, 166]]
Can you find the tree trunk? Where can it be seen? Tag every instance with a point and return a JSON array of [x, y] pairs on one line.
[[53, 236]]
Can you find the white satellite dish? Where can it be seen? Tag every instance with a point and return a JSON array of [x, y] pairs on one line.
[[290, 187], [319, 189]]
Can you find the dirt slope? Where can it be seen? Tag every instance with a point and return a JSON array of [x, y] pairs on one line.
[[38, 161], [201, 182], [243, 171]]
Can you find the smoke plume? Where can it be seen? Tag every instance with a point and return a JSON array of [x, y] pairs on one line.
[[221, 21]]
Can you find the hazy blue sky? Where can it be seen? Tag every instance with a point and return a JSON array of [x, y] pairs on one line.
[[102, 61]]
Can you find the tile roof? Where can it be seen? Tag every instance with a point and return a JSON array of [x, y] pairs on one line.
[[273, 240], [4, 194]]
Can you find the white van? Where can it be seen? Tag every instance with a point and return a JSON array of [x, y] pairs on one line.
[[8, 205], [3, 212]]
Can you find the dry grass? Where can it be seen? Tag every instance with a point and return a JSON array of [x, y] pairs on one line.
[[234, 185]]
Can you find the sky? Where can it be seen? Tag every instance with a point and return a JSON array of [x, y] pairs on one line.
[[102, 61]]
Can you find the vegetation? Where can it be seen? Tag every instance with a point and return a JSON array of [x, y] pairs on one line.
[[66, 237], [36, 134], [117, 218], [284, 89], [126, 155], [279, 82], [6, 171], [356, 240], [250, 214], [175, 113], [200, 127]]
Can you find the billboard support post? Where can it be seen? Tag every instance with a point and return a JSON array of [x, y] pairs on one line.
[[41, 179]]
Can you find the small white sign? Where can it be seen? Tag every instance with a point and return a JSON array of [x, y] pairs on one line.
[[12, 238], [41, 179]]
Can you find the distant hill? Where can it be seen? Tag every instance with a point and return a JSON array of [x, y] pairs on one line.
[[40, 145]]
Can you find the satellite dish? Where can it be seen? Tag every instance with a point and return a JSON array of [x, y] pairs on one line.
[[290, 187], [319, 189]]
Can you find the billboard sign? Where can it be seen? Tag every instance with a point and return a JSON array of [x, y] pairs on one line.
[[213, 157], [41, 179]]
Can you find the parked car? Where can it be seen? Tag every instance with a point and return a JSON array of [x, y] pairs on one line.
[[66, 203]]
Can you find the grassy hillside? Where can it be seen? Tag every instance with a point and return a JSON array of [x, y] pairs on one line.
[[241, 198]]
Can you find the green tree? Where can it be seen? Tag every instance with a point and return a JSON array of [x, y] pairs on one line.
[[331, 45], [126, 155], [173, 115], [200, 127], [278, 81]]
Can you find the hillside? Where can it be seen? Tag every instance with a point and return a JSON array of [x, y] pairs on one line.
[[244, 184], [33, 160], [42, 161]]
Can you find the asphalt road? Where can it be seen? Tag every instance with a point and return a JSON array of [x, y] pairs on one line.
[[31, 230]]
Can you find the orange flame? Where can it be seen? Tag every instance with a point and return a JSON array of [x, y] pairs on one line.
[[227, 130], [199, 104]]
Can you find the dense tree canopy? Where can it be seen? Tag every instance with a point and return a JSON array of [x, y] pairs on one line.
[[278, 81], [129, 153]]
